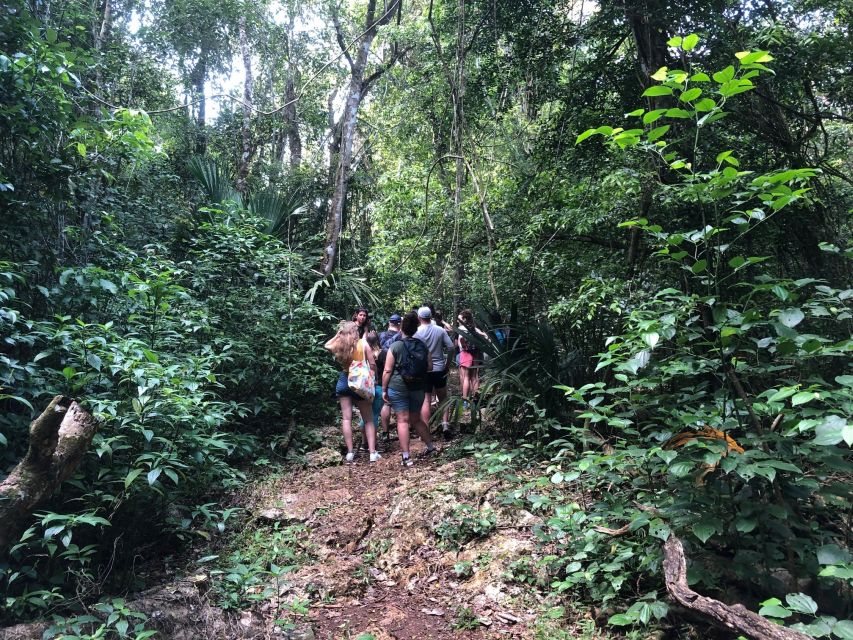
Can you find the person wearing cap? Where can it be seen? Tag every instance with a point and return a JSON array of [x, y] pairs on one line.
[[440, 348], [392, 334]]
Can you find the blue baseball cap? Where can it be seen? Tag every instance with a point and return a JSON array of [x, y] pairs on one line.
[[395, 318]]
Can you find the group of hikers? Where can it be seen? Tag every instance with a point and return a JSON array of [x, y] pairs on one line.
[[409, 363]]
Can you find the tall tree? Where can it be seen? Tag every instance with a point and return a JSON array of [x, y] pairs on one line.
[[360, 82]]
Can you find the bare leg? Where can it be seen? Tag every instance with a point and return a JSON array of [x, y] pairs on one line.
[[346, 411], [475, 380], [465, 376], [385, 416], [366, 409], [403, 431], [442, 396], [426, 409], [421, 427]]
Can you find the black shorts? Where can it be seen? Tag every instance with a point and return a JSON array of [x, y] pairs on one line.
[[436, 380]]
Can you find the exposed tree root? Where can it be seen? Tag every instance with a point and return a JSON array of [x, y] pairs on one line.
[[733, 617], [59, 438]]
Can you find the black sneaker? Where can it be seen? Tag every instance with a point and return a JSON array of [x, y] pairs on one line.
[[428, 453], [406, 462]]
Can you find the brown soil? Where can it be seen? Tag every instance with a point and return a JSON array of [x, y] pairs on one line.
[[380, 568]]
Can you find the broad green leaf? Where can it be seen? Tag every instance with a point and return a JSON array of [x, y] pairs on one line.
[[657, 90], [653, 115], [803, 397], [154, 474], [745, 525], [677, 112], [659, 529], [843, 629], [621, 620], [724, 75], [704, 529], [586, 134], [675, 41], [656, 133], [830, 431], [690, 95], [833, 554], [699, 266], [690, 42], [801, 603], [774, 611], [791, 317], [131, 476], [651, 339], [659, 75]]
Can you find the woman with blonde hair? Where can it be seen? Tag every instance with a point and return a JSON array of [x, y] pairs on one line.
[[347, 347]]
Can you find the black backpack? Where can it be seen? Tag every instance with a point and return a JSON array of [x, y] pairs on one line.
[[413, 361]]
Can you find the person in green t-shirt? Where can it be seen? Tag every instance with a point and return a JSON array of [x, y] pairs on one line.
[[406, 396]]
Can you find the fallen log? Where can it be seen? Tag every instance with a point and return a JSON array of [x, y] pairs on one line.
[[733, 617], [59, 438]]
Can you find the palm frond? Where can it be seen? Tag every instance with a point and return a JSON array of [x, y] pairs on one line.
[[277, 209], [214, 181]]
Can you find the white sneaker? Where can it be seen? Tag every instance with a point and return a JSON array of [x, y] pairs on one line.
[[350, 457], [375, 457]]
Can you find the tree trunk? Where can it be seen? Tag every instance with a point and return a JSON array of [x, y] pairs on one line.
[[246, 131], [59, 438], [334, 222], [736, 618], [359, 85], [197, 79], [291, 122]]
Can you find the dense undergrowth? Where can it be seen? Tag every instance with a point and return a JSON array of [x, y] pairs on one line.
[[676, 331]]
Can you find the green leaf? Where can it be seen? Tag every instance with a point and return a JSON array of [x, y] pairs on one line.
[[656, 133], [843, 629], [675, 41], [801, 603], [50, 35], [833, 554], [586, 134], [153, 475], [690, 94], [659, 75], [690, 42], [774, 611], [705, 104], [745, 525], [659, 529], [621, 620], [678, 112], [704, 529], [724, 75], [653, 115], [651, 339], [783, 394], [830, 432], [635, 113], [803, 397], [737, 262], [699, 266], [81, 149], [94, 361], [131, 476], [657, 90], [791, 317]]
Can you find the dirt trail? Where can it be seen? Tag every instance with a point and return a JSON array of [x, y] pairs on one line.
[[380, 566]]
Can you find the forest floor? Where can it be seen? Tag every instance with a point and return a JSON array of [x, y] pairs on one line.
[[393, 552]]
